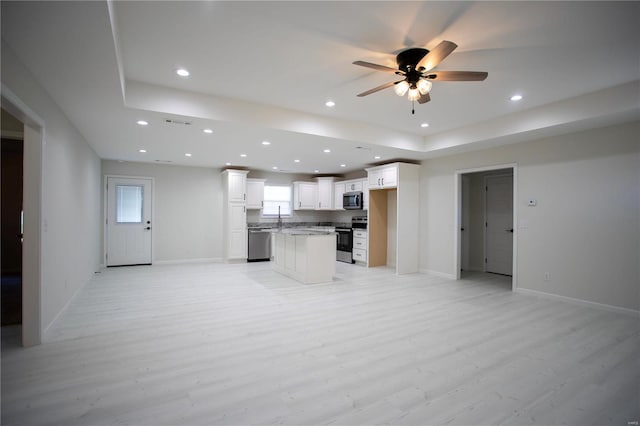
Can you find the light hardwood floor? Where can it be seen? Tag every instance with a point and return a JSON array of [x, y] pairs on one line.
[[239, 344]]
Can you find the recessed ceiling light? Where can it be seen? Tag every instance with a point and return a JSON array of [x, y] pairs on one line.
[[327, 151], [424, 125], [187, 154], [275, 167], [266, 143], [330, 104], [516, 97], [142, 122], [183, 72], [377, 157], [243, 155], [296, 161], [227, 164], [316, 171], [142, 150], [208, 131], [343, 165]]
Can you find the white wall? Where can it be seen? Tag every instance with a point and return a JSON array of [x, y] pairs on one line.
[[70, 195], [585, 230], [187, 209]]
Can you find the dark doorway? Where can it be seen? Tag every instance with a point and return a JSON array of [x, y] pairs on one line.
[[11, 231]]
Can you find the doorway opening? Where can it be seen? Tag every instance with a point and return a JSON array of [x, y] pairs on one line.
[[31, 126], [485, 231], [12, 226]]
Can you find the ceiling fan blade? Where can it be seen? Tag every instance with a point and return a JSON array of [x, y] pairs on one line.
[[435, 56], [377, 67], [456, 75], [424, 98], [377, 89]]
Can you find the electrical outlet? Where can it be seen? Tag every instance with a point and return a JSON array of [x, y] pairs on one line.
[[547, 276]]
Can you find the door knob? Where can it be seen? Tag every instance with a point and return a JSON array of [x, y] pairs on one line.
[[147, 228], [148, 222], [509, 230]]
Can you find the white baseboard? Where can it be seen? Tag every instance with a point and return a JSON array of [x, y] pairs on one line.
[[611, 308], [438, 274], [181, 261]]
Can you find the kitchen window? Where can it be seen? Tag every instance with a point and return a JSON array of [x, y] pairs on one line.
[[277, 197]]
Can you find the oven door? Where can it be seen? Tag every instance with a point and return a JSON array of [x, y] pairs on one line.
[[345, 239]]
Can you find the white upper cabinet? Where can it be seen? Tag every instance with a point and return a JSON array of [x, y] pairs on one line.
[[383, 177], [325, 193], [305, 195], [338, 190], [255, 193], [236, 186], [353, 185]]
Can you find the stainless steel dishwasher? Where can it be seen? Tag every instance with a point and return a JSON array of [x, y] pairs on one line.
[[259, 245]]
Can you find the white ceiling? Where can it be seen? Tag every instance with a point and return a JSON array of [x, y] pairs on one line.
[[263, 71]]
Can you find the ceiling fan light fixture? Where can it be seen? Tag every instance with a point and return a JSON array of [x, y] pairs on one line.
[[401, 88], [414, 94], [424, 86]]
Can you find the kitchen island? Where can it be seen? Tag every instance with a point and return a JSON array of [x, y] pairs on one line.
[[306, 255]]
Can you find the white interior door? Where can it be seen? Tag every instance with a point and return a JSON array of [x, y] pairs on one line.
[[129, 221], [499, 225]]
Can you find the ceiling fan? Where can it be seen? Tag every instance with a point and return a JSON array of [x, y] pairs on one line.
[[415, 65]]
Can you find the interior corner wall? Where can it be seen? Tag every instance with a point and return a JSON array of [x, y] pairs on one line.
[[585, 229], [187, 209], [70, 240]]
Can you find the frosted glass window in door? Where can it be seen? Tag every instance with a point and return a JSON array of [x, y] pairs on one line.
[[129, 203]]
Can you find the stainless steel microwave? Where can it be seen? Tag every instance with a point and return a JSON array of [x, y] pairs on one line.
[[352, 200]]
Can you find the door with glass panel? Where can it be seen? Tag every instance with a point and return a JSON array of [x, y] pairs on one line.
[[129, 221]]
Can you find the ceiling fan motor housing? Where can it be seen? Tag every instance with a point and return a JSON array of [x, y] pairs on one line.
[[410, 57]]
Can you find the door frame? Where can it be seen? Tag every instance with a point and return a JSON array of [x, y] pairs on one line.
[[32, 202], [484, 208], [457, 240], [105, 236]]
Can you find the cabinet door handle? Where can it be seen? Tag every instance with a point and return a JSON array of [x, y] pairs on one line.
[[299, 203], [244, 196], [382, 181]]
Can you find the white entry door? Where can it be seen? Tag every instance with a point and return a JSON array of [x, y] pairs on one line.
[[499, 224], [129, 221]]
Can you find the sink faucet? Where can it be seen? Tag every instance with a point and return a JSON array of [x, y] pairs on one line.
[[279, 219]]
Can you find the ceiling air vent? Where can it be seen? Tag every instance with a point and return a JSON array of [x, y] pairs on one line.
[[171, 121]]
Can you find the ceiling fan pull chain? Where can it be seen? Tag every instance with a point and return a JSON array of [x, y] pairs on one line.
[[413, 109]]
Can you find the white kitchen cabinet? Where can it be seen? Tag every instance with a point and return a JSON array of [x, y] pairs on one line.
[[360, 245], [236, 231], [255, 193], [338, 190], [236, 185], [365, 194], [393, 217], [305, 195], [234, 220], [353, 185], [383, 177], [325, 193]]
